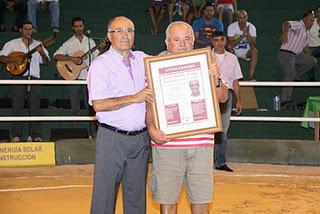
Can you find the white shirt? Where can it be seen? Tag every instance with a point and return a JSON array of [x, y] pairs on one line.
[[234, 31], [72, 45], [313, 35], [36, 59], [230, 67]]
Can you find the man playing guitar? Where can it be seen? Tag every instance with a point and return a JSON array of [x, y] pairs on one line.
[[78, 42], [40, 56]]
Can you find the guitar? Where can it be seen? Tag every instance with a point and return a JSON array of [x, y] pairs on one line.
[[19, 69], [69, 70]]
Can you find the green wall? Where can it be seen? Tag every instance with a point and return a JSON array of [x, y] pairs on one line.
[[267, 16]]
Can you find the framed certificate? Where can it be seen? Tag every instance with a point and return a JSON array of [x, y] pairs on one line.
[[186, 102]]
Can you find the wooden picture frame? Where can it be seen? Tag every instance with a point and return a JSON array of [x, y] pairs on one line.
[[186, 101]]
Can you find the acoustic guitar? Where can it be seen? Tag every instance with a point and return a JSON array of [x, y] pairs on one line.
[[69, 70], [19, 69]]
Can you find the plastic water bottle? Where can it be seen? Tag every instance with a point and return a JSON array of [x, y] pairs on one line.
[[276, 103]]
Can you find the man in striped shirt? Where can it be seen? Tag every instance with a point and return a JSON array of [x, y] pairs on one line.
[[292, 56], [186, 160]]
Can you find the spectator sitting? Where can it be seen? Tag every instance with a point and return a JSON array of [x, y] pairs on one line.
[[228, 7], [53, 5], [195, 10], [242, 41], [314, 42], [20, 6], [185, 7], [204, 27], [157, 7]]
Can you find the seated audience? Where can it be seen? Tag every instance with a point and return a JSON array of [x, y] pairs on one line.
[[242, 41], [195, 11], [13, 5], [185, 8], [41, 5], [228, 7], [156, 11], [204, 27]]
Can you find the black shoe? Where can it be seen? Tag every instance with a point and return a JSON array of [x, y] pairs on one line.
[[224, 168], [290, 104]]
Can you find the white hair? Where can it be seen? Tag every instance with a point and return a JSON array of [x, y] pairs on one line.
[[168, 30]]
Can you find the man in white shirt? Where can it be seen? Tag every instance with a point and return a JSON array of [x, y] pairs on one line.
[[65, 53], [314, 42], [242, 41], [25, 44], [230, 73], [41, 5]]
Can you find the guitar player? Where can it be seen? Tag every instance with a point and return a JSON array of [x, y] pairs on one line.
[[77, 42], [19, 92]]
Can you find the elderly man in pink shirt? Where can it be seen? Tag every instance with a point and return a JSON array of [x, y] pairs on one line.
[[292, 55], [117, 92]]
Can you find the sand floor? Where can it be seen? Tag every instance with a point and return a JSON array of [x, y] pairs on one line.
[[252, 188]]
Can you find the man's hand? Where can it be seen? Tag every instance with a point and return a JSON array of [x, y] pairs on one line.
[[76, 60], [284, 38], [246, 31], [238, 108], [144, 95], [43, 5], [157, 135], [214, 70], [19, 60]]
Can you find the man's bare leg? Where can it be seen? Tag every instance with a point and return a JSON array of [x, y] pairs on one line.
[[253, 55], [168, 208], [200, 208]]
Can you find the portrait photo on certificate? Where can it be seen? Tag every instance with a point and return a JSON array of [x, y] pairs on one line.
[[185, 94]]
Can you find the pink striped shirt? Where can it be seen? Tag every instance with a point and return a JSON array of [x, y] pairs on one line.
[[200, 140], [297, 37]]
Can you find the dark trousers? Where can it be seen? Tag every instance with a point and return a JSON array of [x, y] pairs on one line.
[[21, 9], [294, 67], [221, 138], [76, 92], [19, 93], [315, 51], [120, 158]]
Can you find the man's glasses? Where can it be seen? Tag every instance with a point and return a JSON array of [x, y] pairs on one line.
[[120, 31]]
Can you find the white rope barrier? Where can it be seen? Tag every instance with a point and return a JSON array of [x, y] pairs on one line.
[[43, 82], [47, 118], [275, 119], [83, 82], [90, 118]]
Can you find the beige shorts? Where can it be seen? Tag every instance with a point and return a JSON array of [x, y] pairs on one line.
[[173, 167], [242, 53]]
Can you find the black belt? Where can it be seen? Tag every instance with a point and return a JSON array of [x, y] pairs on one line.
[[282, 50], [130, 133]]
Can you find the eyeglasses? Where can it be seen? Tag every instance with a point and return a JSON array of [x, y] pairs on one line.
[[120, 31]]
